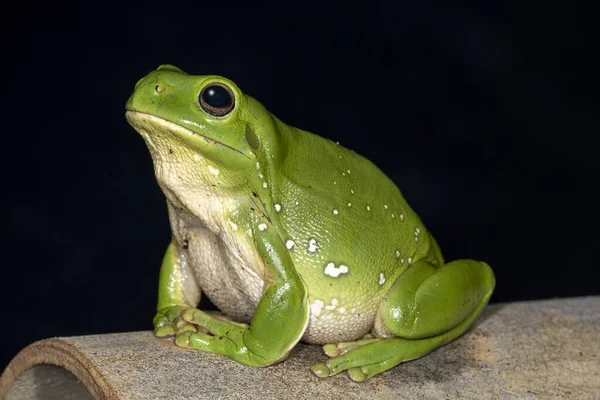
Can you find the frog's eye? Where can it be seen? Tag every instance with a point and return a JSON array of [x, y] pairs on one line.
[[216, 99]]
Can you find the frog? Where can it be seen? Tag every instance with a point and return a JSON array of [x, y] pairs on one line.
[[292, 236]]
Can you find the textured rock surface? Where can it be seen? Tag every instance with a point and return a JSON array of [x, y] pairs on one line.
[[539, 349]]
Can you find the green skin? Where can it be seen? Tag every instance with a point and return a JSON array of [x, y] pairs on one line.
[[293, 237]]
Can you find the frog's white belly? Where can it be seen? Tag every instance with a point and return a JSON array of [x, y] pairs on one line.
[[222, 265]]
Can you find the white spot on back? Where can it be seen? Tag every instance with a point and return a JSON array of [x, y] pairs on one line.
[[397, 253], [341, 310], [197, 157], [409, 260], [385, 206], [257, 165], [402, 217], [262, 227], [277, 207], [290, 244], [368, 208], [335, 212], [265, 185], [313, 246], [334, 271], [381, 278]]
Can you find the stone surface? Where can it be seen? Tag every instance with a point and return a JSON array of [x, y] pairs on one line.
[[539, 349]]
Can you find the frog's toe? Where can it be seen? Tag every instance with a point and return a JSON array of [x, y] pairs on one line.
[[197, 317], [188, 314], [162, 326], [183, 339], [331, 350], [365, 372], [160, 320], [358, 369], [194, 340], [321, 370], [357, 374], [188, 328], [168, 322], [337, 349], [164, 331], [332, 366]]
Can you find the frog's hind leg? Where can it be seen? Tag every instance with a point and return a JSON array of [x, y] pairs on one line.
[[424, 309]]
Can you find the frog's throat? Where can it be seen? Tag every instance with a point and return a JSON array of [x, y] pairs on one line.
[[138, 119]]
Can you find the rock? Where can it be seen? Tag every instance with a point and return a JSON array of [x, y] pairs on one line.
[[537, 349]]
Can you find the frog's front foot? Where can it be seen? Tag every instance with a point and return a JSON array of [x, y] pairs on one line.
[[168, 322], [218, 335]]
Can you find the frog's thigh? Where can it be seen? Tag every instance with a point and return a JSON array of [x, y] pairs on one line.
[[424, 309], [426, 301]]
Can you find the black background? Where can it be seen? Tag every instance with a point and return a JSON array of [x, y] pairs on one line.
[[485, 116]]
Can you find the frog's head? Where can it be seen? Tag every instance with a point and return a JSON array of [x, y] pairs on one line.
[[201, 121]]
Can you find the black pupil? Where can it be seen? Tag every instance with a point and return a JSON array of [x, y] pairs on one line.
[[216, 96]]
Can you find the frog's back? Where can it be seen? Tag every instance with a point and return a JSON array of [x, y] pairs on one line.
[[353, 232]]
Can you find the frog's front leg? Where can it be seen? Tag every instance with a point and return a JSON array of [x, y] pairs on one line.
[[424, 309], [176, 292], [280, 319]]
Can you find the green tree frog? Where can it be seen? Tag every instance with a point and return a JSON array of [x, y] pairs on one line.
[[292, 236]]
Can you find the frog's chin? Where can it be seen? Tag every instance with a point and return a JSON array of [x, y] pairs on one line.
[[149, 125]]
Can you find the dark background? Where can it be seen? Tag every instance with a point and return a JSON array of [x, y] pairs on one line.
[[485, 116]]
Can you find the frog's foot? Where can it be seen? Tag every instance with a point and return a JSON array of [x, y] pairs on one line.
[[217, 335], [366, 358], [168, 322]]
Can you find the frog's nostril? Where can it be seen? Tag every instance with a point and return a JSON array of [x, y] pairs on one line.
[[158, 88]]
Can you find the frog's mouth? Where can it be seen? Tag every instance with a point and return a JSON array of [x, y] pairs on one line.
[[149, 125]]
